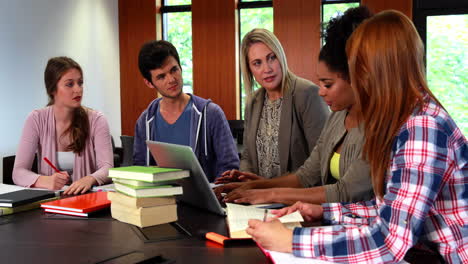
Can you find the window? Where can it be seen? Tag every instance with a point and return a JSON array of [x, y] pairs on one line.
[[447, 64], [177, 29], [443, 26], [253, 14], [334, 8]]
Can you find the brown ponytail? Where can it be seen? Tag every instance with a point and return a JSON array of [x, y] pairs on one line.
[[79, 128]]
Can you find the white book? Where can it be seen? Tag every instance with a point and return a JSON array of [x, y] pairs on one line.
[[238, 217], [7, 188], [288, 258]]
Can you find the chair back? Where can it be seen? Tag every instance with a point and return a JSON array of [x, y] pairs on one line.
[[237, 130], [8, 164], [116, 154], [127, 146]]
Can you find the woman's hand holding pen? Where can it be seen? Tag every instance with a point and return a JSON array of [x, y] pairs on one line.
[[310, 212], [53, 182], [272, 235]]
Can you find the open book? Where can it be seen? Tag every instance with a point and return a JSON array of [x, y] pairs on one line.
[[238, 217]]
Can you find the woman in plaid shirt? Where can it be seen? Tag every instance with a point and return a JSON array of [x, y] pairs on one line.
[[418, 159]]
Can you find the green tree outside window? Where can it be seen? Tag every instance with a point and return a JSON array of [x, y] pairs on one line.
[[179, 33], [447, 64], [330, 11], [178, 2], [250, 19]]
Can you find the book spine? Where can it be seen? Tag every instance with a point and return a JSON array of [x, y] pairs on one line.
[[47, 210], [6, 211], [26, 207]]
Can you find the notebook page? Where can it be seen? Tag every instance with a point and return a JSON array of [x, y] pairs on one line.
[[239, 215], [6, 188]]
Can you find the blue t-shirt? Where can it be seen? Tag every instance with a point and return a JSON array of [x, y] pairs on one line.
[[177, 133]]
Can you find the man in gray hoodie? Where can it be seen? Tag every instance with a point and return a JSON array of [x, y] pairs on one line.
[[181, 118]]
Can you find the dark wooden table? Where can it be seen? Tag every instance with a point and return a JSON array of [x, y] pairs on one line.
[[36, 237]]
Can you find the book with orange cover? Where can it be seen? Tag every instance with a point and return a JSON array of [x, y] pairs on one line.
[[84, 203], [64, 212]]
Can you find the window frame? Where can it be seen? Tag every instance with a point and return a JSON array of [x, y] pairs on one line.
[[165, 9], [425, 8], [422, 9], [332, 2]]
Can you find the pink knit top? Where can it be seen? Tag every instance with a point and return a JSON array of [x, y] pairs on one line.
[[39, 137]]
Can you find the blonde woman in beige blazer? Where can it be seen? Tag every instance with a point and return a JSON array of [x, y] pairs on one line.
[[276, 141], [303, 116]]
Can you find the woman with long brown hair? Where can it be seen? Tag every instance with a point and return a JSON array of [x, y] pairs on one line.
[[417, 155], [73, 138]]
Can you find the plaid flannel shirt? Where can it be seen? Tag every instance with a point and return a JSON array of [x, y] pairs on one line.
[[426, 201]]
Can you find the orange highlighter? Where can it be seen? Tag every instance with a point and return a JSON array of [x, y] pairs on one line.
[[226, 241], [215, 237]]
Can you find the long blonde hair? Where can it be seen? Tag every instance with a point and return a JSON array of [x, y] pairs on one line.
[[261, 35], [386, 63]]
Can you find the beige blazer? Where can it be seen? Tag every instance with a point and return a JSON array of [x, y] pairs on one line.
[[303, 115], [355, 183]]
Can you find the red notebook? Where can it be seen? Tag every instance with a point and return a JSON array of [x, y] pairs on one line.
[[84, 203], [54, 211]]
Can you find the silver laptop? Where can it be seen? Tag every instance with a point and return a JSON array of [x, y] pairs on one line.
[[197, 190]]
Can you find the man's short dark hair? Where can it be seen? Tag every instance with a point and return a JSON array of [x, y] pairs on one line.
[[153, 54]]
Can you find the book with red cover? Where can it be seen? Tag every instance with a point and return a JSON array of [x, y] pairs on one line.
[[64, 212], [84, 203]]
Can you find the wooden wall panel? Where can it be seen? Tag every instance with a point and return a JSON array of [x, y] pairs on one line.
[[297, 26], [214, 40], [404, 6], [136, 26]]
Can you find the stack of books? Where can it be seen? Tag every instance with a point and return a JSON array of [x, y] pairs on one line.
[[23, 200], [145, 195]]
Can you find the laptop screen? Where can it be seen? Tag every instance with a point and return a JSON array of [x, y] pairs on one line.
[[196, 188]]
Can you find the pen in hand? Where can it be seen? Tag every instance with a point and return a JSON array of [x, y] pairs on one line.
[[265, 215], [52, 165]]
